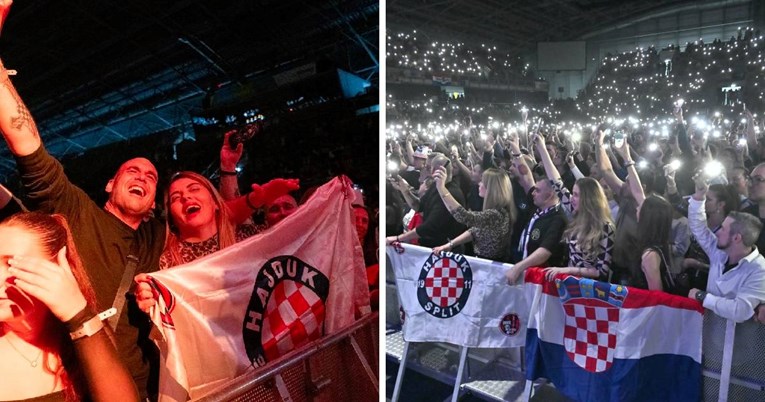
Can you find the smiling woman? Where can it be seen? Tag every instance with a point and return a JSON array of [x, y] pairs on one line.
[[198, 222]]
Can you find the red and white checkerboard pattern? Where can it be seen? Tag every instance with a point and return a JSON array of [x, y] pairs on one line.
[[444, 283], [294, 316], [590, 335]]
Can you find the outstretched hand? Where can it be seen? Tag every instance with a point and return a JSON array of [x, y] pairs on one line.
[[439, 177], [267, 193], [229, 157], [539, 141], [701, 185], [50, 282]]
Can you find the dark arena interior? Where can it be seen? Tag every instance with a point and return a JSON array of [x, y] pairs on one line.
[[483, 82]]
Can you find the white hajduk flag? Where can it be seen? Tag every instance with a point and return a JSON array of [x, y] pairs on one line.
[[461, 300], [252, 302]]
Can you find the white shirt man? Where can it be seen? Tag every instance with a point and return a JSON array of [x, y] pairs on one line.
[[736, 282]]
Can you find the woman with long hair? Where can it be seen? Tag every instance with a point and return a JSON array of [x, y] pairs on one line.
[[654, 216], [590, 232], [199, 222], [53, 344], [490, 228], [654, 231]]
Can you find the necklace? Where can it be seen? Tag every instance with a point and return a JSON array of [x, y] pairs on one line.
[[32, 362]]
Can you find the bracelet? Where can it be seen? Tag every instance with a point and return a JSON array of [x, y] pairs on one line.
[[451, 245], [228, 173], [247, 200], [630, 163], [92, 325], [80, 318], [447, 195], [515, 155]]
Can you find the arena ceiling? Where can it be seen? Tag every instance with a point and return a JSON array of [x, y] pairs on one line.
[[95, 72], [517, 25]]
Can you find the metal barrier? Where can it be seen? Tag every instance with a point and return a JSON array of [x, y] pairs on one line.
[[733, 367], [339, 367]]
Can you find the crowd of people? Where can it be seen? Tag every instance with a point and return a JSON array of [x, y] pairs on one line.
[[653, 177], [415, 55], [64, 258]]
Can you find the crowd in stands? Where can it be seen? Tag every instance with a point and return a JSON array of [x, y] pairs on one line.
[[415, 54], [653, 178]]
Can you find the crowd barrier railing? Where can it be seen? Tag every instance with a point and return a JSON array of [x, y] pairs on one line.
[[338, 367], [733, 367]]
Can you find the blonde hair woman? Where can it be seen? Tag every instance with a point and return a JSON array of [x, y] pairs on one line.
[[590, 233], [489, 229]]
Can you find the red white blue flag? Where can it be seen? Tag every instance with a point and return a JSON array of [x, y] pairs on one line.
[[598, 341]]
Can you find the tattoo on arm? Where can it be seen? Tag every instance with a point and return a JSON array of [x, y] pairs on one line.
[[23, 116]]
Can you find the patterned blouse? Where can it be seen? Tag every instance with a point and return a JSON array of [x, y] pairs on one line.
[[490, 230], [577, 257], [192, 251]]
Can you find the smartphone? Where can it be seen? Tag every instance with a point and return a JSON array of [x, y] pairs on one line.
[[618, 139]]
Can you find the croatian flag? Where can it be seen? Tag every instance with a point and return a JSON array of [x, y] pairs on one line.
[[598, 341], [461, 300]]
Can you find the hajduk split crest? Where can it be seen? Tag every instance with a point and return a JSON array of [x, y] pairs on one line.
[[444, 284], [286, 309]]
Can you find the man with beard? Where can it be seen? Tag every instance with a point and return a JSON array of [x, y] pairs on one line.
[[736, 268]]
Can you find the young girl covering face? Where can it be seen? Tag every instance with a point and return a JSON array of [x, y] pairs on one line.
[[44, 296]]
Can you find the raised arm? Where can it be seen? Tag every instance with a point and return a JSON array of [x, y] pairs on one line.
[[439, 178], [229, 157], [697, 217], [241, 208], [751, 137], [604, 164], [574, 168], [408, 151], [400, 184], [636, 188], [16, 123], [552, 172], [455, 158], [525, 178]]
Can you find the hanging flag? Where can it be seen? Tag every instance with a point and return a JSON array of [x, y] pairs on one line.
[[442, 79], [253, 302], [457, 299], [598, 341]]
